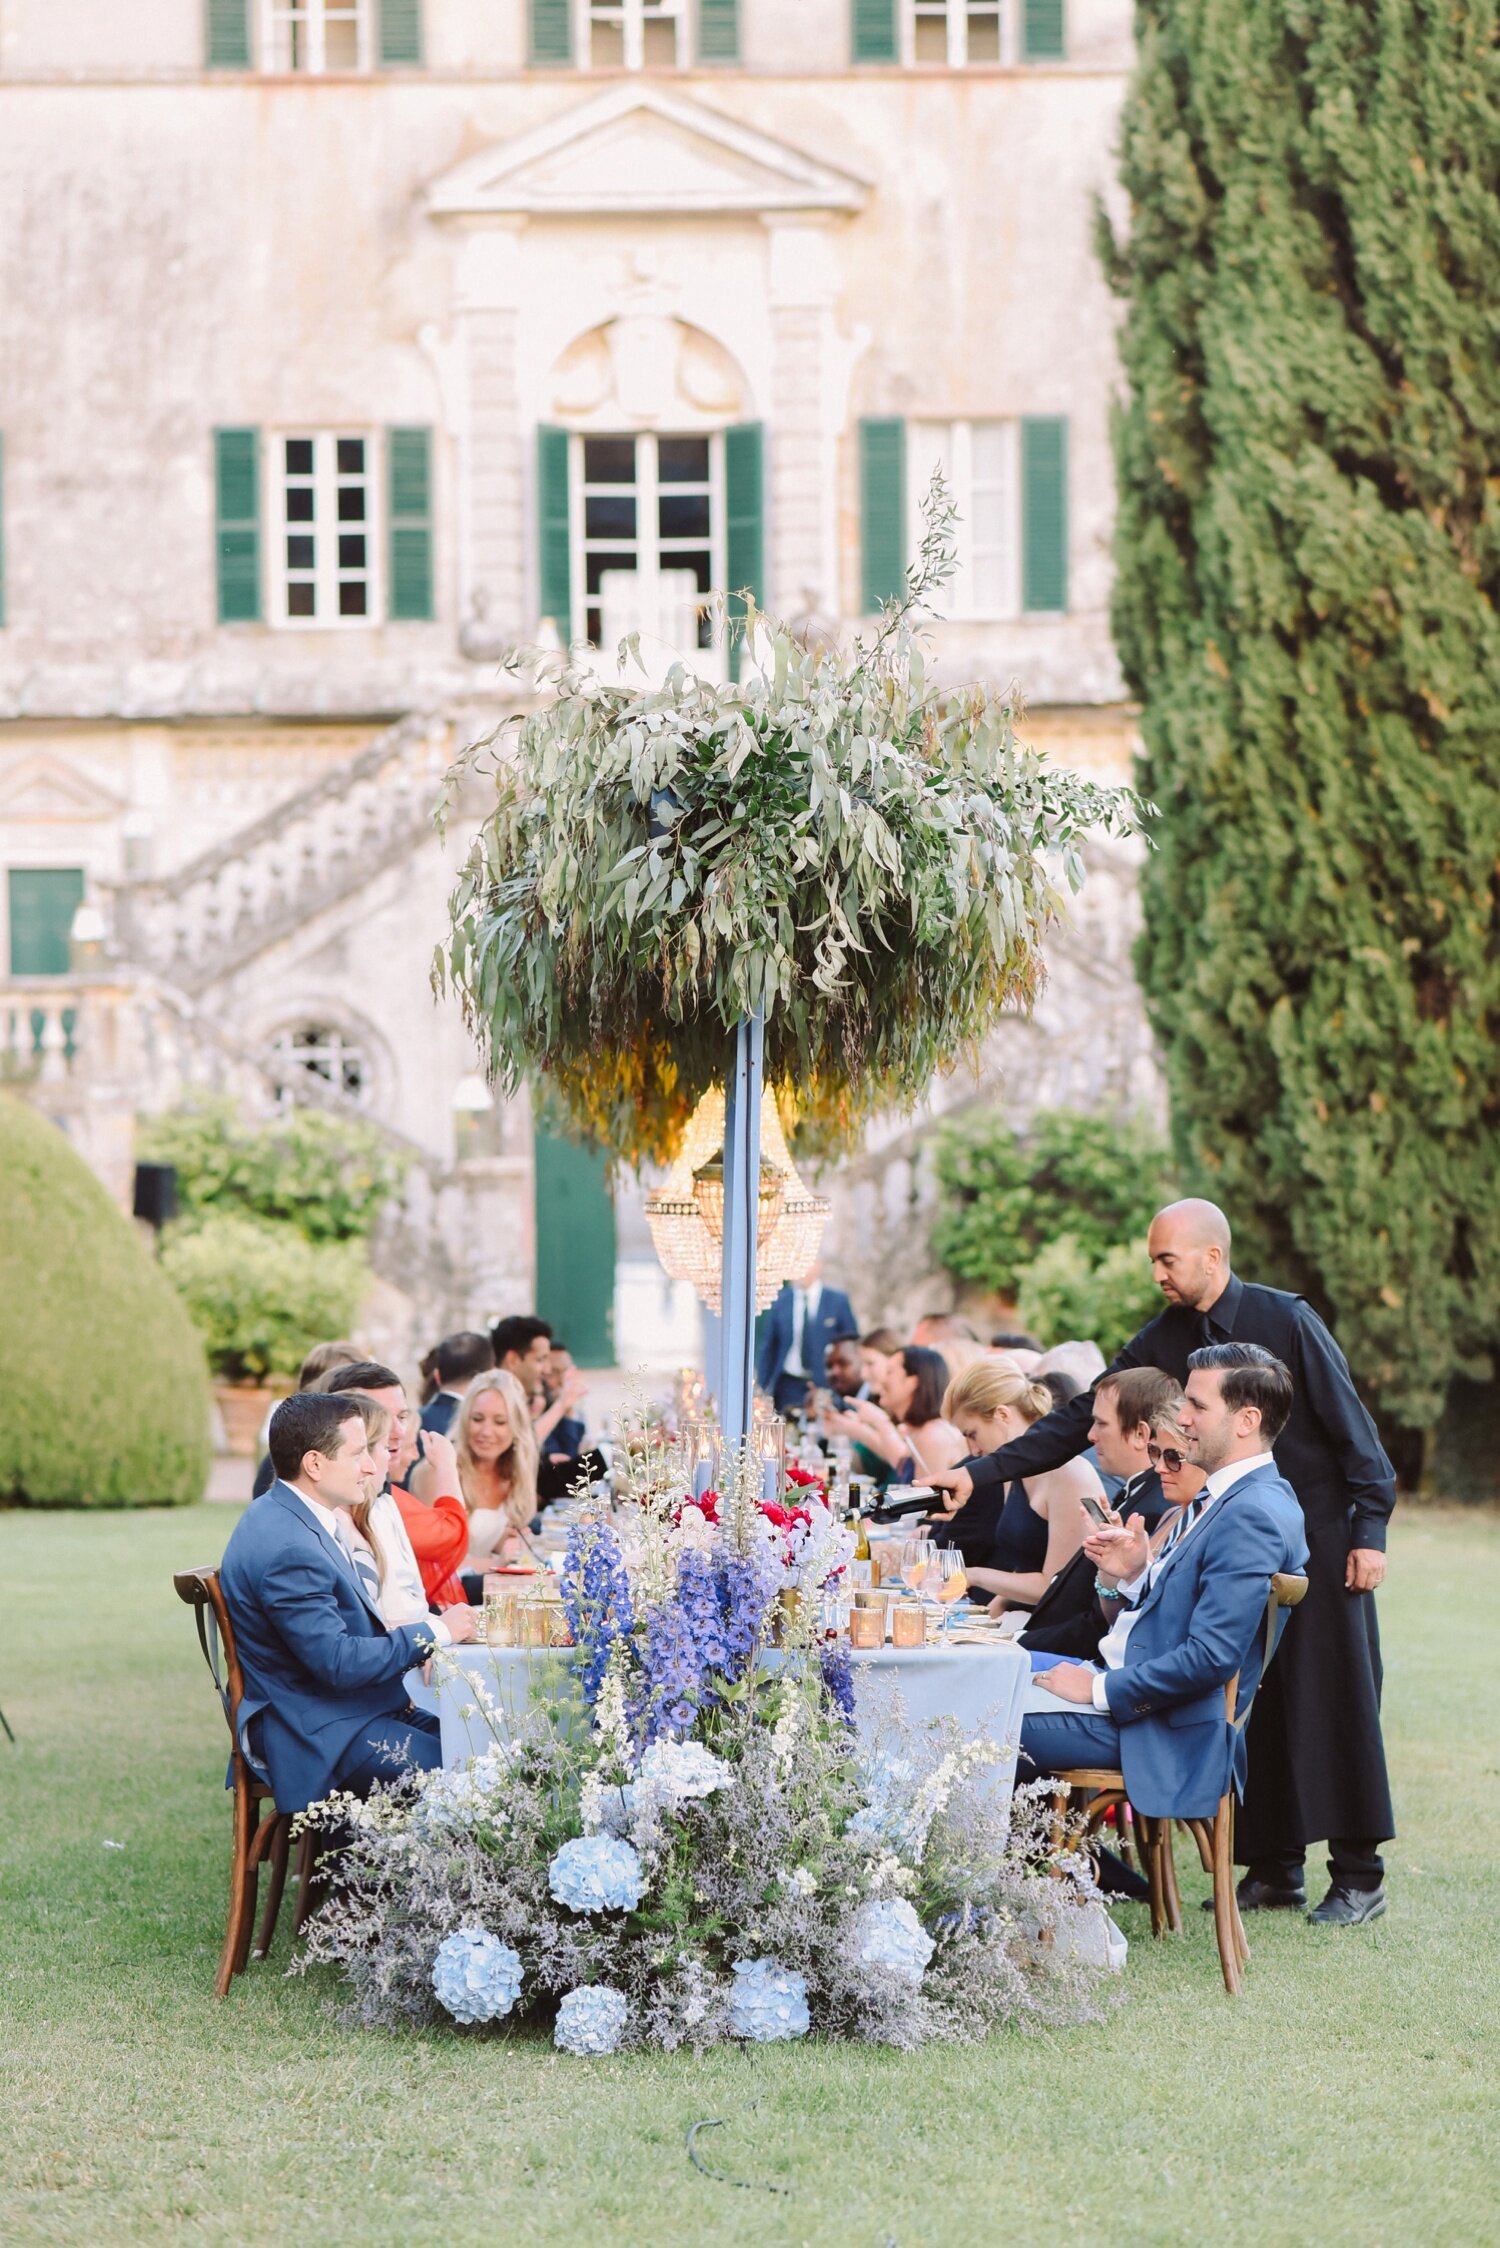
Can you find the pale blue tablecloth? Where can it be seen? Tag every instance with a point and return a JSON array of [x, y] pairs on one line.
[[983, 1687]]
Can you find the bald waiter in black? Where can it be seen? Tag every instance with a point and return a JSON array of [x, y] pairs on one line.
[[1317, 1761]]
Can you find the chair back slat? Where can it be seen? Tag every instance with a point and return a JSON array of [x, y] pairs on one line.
[[201, 1590], [1284, 1591]]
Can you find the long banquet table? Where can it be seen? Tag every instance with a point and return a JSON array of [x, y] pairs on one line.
[[984, 1687]]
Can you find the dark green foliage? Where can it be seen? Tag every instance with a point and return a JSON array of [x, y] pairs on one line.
[[1004, 1198], [324, 1175], [105, 1386], [1308, 555]]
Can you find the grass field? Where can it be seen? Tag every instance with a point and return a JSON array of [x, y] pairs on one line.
[[1351, 2096]]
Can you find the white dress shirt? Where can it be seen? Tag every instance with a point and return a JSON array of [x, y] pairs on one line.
[[1133, 1591], [805, 1304], [327, 1521]]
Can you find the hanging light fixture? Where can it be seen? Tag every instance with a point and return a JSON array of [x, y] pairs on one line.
[[686, 1213]]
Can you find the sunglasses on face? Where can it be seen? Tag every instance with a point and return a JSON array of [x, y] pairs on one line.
[[1167, 1456]]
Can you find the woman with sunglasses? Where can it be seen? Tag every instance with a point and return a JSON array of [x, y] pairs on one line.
[[1181, 1479]]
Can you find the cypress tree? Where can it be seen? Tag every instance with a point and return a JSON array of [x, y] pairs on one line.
[[1308, 558]]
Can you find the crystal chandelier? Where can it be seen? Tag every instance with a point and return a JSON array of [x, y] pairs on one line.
[[686, 1214]]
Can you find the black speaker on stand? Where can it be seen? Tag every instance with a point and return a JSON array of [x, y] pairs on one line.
[[156, 1195]]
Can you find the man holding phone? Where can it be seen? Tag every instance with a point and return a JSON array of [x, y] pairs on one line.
[[1068, 1619]]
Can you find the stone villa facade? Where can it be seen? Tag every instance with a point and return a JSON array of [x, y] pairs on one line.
[[344, 343]]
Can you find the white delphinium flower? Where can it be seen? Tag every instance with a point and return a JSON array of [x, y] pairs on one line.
[[803, 1880], [784, 1734]]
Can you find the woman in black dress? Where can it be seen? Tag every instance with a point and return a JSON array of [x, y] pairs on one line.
[[1015, 1538]]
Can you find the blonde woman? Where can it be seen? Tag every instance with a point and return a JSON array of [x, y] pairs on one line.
[[497, 1465], [1015, 1540]]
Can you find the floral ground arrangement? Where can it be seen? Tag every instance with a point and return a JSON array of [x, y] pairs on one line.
[[684, 1840]]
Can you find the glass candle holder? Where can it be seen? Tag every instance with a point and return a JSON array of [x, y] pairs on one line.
[[500, 1619], [866, 1627], [908, 1626], [533, 1627], [770, 1443]]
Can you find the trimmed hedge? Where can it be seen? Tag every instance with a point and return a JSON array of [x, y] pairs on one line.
[[106, 1390]]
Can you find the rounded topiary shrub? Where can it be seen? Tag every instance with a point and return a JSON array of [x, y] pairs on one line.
[[103, 1374]]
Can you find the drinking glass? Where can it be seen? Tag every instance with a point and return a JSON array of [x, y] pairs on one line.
[[917, 1558], [949, 1581]]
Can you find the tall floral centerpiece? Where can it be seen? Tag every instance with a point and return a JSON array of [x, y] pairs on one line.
[[833, 872]]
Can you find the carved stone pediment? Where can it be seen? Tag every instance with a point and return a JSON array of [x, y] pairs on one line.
[[44, 787], [640, 149]]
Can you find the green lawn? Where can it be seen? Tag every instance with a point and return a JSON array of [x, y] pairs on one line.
[[1351, 2096]]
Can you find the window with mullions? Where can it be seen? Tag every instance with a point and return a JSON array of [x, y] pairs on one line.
[[322, 1051], [317, 35], [648, 516], [638, 34], [323, 492], [980, 467], [956, 32]]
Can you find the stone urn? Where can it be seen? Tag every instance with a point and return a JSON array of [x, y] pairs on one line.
[[243, 1407]]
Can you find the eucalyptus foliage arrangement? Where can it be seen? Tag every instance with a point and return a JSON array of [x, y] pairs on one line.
[[833, 841]]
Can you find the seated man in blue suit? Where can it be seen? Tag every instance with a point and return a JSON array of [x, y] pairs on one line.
[[801, 1323], [325, 1705], [1190, 1616]]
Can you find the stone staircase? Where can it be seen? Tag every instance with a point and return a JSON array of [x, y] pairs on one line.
[[307, 854]]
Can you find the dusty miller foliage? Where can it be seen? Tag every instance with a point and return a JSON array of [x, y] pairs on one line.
[[1308, 565], [833, 840]]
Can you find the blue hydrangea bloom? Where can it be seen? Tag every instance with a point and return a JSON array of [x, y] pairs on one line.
[[890, 1938], [596, 1873], [767, 2002], [683, 1771], [476, 1976], [596, 1598], [591, 2020]]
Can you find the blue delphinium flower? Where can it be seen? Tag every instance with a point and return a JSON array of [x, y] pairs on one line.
[[889, 1937], [476, 1976], [596, 1873], [591, 2020], [596, 1596], [767, 2002], [671, 1672], [745, 1593], [698, 1597], [838, 1679]]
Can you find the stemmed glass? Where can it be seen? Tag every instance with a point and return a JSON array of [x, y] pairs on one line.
[[917, 1558], [950, 1583]]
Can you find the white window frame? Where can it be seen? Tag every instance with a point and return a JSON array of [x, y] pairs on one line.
[[952, 444], [314, 17], [956, 13], [648, 489], [632, 16], [327, 1060], [325, 530]]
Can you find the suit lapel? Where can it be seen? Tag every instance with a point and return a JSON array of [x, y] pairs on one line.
[[329, 1543], [1202, 1529]]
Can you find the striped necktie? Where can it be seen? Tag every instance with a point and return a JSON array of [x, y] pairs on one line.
[[1184, 1523]]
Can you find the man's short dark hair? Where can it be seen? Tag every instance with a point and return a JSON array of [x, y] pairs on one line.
[[312, 1421], [365, 1373], [513, 1337], [1249, 1375], [837, 1342], [1014, 1338], [1141, 1393], [458, 1358]]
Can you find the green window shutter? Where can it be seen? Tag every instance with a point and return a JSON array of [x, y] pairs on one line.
[[554, 555], [744, 524], [400, 32], [882, 512], [551, 31], [1042, 30], [42, 902], [718, 31], [873, 27], [227, 34], [237, 488], [1044, 512], [409, 506]]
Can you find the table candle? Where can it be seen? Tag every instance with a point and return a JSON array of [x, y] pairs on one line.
[[908, 1625], [866, 1627]]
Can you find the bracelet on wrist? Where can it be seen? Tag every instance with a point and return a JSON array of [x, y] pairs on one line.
[[1107, 1592]]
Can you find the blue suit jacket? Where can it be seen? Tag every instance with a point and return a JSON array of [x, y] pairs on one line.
[[319, 1660], [1202, 1621], [835, 1316]]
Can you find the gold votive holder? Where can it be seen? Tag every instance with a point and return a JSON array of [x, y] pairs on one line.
[[908, 1626], [871, 1596], [867, 1627], [533, 1624], [499, 1624], [559, 1630]]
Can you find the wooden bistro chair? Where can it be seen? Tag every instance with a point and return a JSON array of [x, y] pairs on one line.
[[1097, 1794], [257, 1840]]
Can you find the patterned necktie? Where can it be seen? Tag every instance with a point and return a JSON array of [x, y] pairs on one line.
[[1184, 1522]]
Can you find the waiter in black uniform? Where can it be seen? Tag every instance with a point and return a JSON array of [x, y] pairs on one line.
[[1317, 1761]]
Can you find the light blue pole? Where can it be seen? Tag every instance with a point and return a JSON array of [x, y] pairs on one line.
[[741, 1209]]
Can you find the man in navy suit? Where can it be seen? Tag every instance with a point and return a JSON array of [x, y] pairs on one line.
[[1188, 1619], [325, 1705], [799, 1326]]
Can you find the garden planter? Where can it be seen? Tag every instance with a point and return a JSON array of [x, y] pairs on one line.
[[243, 1408]]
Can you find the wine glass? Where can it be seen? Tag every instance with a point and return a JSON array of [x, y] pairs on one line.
[[950, 1581], [917, 1558]]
